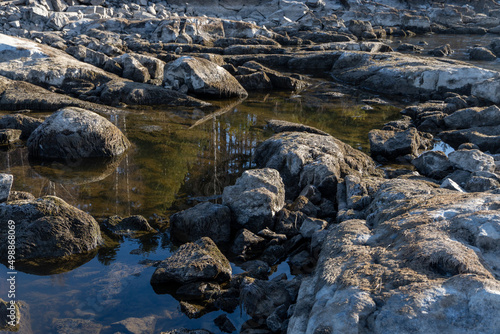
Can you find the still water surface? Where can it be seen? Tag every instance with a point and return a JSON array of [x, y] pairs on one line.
[[179, 157]]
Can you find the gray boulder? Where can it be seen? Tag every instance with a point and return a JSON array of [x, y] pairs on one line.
[[193, 262], [48, 227], [247, 244], [312, 159], [480, 184], [203, 220], [5, 186], [392, 144], [255, 198], [472, 160], [132, 68], [434, 164], [202, 77], [74, 133]]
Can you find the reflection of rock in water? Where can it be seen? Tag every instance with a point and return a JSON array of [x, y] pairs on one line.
[[81, 171], [52, 266]]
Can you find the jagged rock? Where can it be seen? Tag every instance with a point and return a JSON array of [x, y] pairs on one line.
[[133, 69], [255, 198], [472, 160], [20, 122], [306, 158], [193, 262], [434, 164], [260, 298], [391, 144], [74, 133], [484, 137], [203, 220], [311, 226], [451, 185], [247, 244], [480, 184], [202, 77], [224, 324], [49, 227]]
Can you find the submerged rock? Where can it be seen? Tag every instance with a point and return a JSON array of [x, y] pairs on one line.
[[48, 227], [193, 262], [74, 133]]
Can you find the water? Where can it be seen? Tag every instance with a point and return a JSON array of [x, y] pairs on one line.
[[176, 160]]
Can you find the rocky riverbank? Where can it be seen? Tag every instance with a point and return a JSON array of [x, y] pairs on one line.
[[372, 249]]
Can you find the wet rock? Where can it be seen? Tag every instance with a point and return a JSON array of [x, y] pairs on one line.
[[202, 77], [481, 53], [301, 262], [472, 160], [255, 198], [5, 186], [192, 262], [391, 144], [224, 324], [203, 220], [256, 269], [136, 93], [21, 122], [284, 126], [70, 325], [131, 225], [473, 117], [74, 133], [247, 244], [434, 164], [278, 80], [195, 311], [305, 158], [9, 136], [49, 227]]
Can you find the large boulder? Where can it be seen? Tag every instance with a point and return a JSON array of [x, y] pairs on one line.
[[255, 198], [202, 77], [473, 117], [312, 159], [74, 133], [472, 160], [203, 220], [424, 261], [48, 227], [193, 262], [392, 144], [434, 164]]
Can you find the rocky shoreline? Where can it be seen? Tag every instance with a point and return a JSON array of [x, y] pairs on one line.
[[373, 249]]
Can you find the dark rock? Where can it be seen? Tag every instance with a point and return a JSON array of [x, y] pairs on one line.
[[203, 220], [256, 269], [255, 81], [358, 28], [255, 198], [460, 177], [289, 222], [133, 69], [278, 80], [198, 291], [303, 204], [273, 254], [468, 146], [195, 311], [481, 53], [480, 184], [20, 122], [187, 331], [271, 235], [74, 133], [311, 226], [130, 225], [260, 298], [405, 47], [48, 227], [434, 164], [193, 262], [451, 185], [247, 244], [473, 117], [224, 324], [487, 138]]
